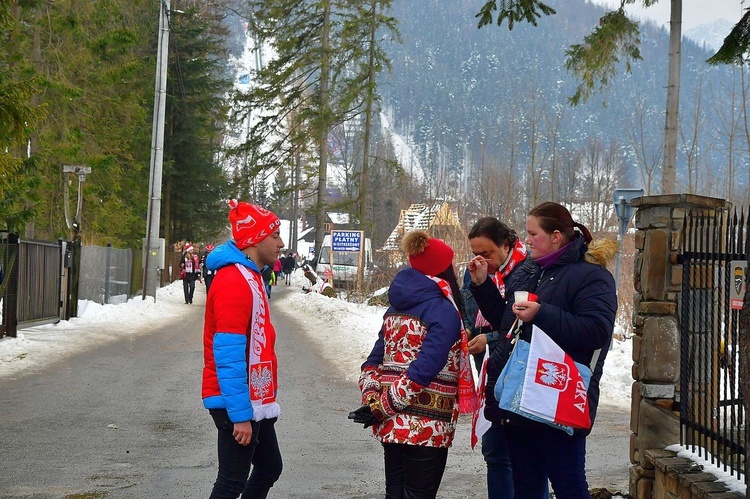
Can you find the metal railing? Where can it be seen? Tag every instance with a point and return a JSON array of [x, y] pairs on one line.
[[712, 416]]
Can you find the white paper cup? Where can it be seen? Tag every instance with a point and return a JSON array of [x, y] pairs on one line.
[[520, 296]]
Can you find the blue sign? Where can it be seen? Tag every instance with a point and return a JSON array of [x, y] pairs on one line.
[[346, 240]]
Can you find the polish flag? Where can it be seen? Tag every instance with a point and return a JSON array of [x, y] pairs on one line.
[[479, 424], [555, 385]]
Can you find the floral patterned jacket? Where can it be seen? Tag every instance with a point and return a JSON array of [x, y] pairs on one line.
[[412, 371]]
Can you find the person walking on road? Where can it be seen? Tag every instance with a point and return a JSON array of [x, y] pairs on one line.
[[289, 263], [192, 272], [240, 364], [269, 278], [208, 274], [418, 377]]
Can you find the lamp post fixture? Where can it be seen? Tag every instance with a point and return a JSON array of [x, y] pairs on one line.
[[74, 224], [624, 211], [152, 243]]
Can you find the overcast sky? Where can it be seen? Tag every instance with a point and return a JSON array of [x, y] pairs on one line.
[[694, 12]]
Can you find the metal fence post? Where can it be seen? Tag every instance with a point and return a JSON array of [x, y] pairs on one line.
[[107, 264], [10, 297]]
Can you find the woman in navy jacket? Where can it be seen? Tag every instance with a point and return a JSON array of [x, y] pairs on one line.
[[576, 307]]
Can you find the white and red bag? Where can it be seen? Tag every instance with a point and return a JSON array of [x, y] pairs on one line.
[[543, 383]]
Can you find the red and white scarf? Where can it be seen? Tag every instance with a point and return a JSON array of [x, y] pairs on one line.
[[261, 357], [516, 256], [467, 391]]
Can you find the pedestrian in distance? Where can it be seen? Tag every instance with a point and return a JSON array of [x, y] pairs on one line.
[[418, 377], [192, 272], [269, 278], [508, 268], [208, 274], [240, 364], [278, 270], [289, 264], [576, 306]]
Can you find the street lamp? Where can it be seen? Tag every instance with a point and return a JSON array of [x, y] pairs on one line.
[[152, 243], [81, 172], [624, 211]]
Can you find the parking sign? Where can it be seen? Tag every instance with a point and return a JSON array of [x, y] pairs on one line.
[[347, 240]]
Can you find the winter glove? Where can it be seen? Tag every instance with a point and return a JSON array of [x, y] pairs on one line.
[[363, 415]]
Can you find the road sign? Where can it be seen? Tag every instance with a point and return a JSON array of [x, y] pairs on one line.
[[737, 286], [347, 240]]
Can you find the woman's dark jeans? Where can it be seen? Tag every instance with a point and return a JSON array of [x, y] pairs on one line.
[[235, 460], [540, 453], [413, 471]]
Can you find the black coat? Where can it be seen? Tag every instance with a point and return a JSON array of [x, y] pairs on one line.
[[288, 264], [578, 307]]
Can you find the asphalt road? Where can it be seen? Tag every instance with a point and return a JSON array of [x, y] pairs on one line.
[[125, 420]]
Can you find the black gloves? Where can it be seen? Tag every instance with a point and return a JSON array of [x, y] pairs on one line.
[[363, 415]]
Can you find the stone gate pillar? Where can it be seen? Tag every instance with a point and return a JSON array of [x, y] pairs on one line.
[[657, 279]]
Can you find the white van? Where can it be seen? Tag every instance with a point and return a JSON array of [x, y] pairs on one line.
[[345, 263]]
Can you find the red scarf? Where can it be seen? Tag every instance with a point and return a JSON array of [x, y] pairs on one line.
[[516, 256], [467, 391], [261, 356]]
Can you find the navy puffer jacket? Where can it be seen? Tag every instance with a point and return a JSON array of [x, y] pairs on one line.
[[578, 307]]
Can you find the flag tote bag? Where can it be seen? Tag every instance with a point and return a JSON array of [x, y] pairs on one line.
[[543, 383]]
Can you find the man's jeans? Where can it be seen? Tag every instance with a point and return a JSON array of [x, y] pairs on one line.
[[235, 460], [499, 471]]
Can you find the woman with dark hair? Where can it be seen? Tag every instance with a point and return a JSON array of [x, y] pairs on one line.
[[418, 378], [576, 307]]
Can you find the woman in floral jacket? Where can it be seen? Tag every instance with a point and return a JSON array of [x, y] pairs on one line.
[[418, 374]]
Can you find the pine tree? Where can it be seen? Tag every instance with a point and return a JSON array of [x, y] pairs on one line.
[[595, 59], [195, 186], [18, 117], [95, 77], [315, 75]]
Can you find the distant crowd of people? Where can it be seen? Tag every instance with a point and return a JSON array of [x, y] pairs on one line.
[[193, 268], [418, 378]]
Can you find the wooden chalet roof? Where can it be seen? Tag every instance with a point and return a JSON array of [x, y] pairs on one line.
[[421, 216]]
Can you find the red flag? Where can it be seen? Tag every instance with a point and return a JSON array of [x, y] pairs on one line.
[[479, 424], [555, 386]]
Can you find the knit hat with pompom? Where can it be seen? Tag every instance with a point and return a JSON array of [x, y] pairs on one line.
[[250, 223], [427, 254]]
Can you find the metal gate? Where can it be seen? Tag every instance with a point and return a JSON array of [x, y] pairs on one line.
[[30, 283], [39, 290], [712, 418]]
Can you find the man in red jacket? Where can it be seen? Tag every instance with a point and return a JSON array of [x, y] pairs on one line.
[[240, 365]]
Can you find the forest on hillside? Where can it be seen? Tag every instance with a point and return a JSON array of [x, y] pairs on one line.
[[485, 113], [487, 110]]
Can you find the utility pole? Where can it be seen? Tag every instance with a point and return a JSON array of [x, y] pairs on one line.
[[154, 253], [73, 248]]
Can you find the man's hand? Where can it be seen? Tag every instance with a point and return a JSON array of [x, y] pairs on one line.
[[477, 344], [243, 432], [478, 268]]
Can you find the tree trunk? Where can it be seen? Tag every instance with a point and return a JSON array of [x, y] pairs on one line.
[[369, 97], [320, 211], [673, 99]]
